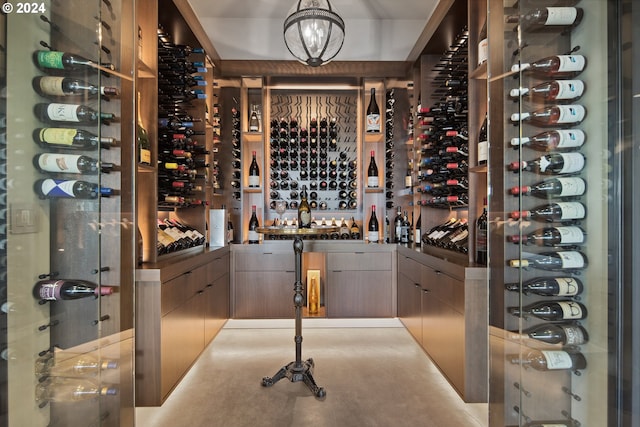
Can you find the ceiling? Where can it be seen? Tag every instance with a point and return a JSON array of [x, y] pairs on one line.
[[375, 30]]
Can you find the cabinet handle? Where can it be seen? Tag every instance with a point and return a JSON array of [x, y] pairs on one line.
[[426, 291], [437, 271], [359, 253], [187, 273], [336, 271], [417, 285], [289, 271], [267, 253], [200, 292], [209, 285]]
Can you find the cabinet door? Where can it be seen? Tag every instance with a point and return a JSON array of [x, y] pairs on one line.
[[216, 311], [267, 294], [409, 305], [359, 294]]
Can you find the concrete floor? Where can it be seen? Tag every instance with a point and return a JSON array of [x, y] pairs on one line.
[[374, 377]]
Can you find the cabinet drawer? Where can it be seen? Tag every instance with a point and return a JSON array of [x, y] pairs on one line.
[[410, 268], [358, 261], [217, 268], [444, 287], [265, 261], [176, 291]]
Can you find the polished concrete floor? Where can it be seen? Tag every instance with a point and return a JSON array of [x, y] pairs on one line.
[[374, 373]]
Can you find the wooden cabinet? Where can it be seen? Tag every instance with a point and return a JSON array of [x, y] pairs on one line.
[[359, 284], [180, 305], [444, 306], [263, 283]]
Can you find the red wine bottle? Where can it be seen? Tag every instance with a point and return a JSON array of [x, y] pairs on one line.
[[68, 86], [548, 286], [65, 289], [482, 236], [254, 172], [373, 113], [546, 17], [558, 333], [552, 311], [57, 60], [373, 181], [70, 163], [254, 237], [69, 138], [374, 230], [556, 90], [552, 261], [74, 113], [551, 360], [553, 212], [557, 115], [71, 189], [551, 236], [562, 139], [557, 66], [553, 187]]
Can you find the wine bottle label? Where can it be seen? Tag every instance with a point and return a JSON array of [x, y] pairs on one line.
[[571, 259], [569, 89], [58, 188], [63, 112], [373, 236], [50, 291], [483, 50], [571, 162], [571, 210], [253, 236], [54, 162], [574, 335], [373, 181], [570, 138], [483, 151], [49, 59], [557, 359], [571, 63], [561, 15], [52, 86], [571, 310], [567, 286], [254, 181], [373, 122], [145, 156], [570, 113], [58, 136], [570, 235]]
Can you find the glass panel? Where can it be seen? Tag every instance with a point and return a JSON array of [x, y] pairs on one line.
[[68, 231]]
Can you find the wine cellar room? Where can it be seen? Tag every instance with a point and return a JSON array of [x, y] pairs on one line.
[[463, 170]]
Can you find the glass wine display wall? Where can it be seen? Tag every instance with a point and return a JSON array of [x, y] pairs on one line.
[[555, 277], [182, 149], [4, 296], [443, 137], [313, 143], [71, 227]]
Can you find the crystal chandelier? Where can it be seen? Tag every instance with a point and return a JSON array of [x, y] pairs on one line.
[[313, 32]]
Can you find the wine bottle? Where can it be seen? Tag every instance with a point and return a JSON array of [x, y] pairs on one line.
[[254, 122], [418, 230], [61, 113], [551, 360], [304, 211], [66, 289], [548, 286], [547, 423], [558, 333], [344, 229], [63, 389], [397, 225], [354, 230], [551, 236], [70, 138], [74, 189], [56, 60], [254, 237], [482, 236], [556, 66], [229, 235], [553, 212], [70, 365], [556, 90], [565, 17], [314, 301], [68, 86], [373, 113], [483, 44], [373, 229], [561, 139], [552, 311], [557, 115], [483, 143], [373, 181], [254, 172], [69, 163], [552, 164], [553, 261]]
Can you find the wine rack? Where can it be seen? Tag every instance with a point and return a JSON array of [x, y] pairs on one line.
[[544, 175]]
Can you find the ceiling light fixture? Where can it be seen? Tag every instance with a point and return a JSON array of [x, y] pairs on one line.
[[313, 32]]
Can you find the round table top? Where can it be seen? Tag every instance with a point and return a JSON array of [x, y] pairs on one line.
[[294, 231]]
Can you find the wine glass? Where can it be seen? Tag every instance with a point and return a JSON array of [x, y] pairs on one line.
[[281, 207]]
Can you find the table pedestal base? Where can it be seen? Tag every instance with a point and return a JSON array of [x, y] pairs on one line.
[[297, 371]]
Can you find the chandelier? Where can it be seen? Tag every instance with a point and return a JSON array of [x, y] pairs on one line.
[[313, 32]]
